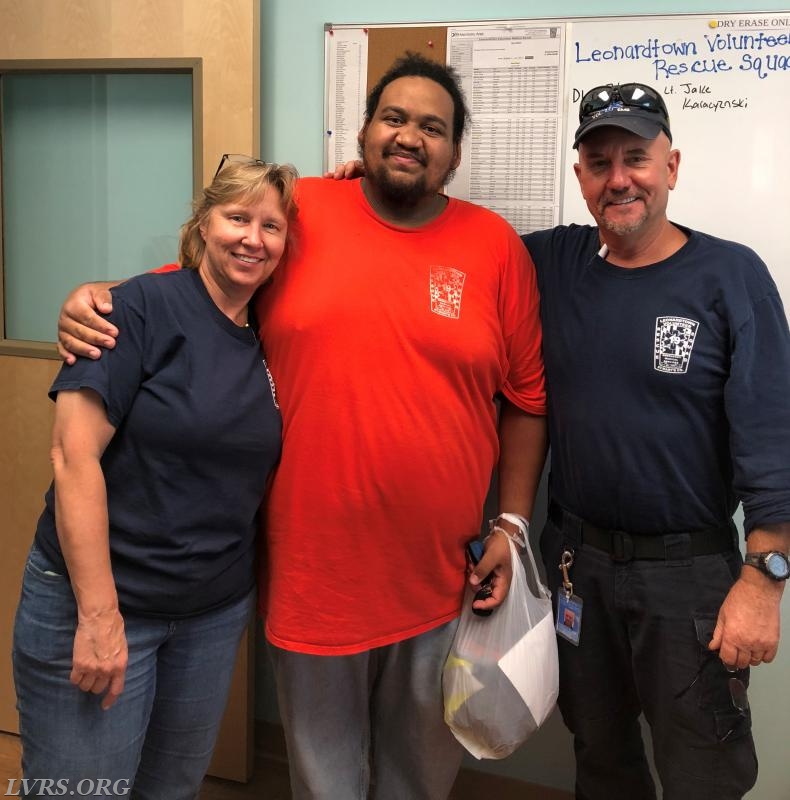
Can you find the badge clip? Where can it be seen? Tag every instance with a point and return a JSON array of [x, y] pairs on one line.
[[569, 605]]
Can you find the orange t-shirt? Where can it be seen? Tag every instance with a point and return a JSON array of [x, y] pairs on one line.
[[387, 346]]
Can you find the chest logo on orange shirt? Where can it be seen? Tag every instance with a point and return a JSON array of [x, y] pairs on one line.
[[446, 289]]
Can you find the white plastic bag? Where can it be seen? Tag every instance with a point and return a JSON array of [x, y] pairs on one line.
[[501, 678]]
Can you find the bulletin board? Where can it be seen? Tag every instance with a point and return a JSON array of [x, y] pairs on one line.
[[724, 77]]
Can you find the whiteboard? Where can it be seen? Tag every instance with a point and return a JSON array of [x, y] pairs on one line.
[[726, 82]]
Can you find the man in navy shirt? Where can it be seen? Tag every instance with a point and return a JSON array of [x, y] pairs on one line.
[[668, 367]]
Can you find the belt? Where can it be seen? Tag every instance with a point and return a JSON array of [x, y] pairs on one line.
[[623, 546]]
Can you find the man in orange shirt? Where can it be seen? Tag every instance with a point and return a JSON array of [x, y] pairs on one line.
[[400, 316]]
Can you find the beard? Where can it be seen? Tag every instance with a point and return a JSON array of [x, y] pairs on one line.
[[399, 193], [621, 228], [405, 192]]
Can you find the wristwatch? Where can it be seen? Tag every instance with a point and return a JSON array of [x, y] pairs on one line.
[[774, 564]]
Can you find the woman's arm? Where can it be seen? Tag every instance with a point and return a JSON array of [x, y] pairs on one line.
[[80, 434]]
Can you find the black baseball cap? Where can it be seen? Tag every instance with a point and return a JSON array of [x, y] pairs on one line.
[[634, 107]]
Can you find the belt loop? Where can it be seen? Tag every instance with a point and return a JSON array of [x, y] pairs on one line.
[[622, 546], [677, 547], [576, 525], [570, 525]]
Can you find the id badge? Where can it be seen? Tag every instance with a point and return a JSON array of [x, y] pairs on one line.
[[569, 616]]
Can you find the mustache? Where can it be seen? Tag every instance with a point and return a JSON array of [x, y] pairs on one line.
[[617, 198], [405, 153]]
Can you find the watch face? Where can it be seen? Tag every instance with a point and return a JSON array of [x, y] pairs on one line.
[[777, 566]]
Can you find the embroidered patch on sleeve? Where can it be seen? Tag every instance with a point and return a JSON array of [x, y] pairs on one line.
[[446, 288], [673, 343]]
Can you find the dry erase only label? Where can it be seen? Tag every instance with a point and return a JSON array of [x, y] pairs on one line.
[[752, 22]]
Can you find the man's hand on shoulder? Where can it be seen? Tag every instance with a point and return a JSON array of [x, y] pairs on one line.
[[81, 331], [346, 171]]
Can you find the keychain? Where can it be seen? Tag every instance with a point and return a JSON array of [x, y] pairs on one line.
[[569, 605]]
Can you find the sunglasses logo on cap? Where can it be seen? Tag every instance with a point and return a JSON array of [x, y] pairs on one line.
[[612, 97]]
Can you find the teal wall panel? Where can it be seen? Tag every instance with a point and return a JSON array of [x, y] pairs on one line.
[[97, 179]]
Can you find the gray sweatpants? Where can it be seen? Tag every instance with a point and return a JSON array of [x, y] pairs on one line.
[[370, 725]]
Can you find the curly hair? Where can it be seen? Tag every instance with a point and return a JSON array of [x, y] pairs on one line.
[[414, 65]]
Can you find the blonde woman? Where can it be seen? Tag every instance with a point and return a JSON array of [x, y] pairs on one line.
[[141, 577]]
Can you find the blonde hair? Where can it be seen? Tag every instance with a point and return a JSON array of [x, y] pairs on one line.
[[237, 182]]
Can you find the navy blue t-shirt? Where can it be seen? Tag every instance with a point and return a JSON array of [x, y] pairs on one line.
[[197, 434], [668, 385]]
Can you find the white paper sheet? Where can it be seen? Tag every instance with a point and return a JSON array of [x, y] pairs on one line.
[[511, 157], [532, 657], [347, 69]]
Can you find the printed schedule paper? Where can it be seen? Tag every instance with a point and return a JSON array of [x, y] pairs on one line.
[[512, 77]]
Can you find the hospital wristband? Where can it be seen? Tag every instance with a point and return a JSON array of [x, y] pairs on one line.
[[520, 522]]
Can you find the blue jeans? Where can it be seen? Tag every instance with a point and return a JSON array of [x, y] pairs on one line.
[[156, 741]]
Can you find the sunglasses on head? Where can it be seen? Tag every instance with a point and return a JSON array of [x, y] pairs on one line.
[[237, 158], [634, 95]]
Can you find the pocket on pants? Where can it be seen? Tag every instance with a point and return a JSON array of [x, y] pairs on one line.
[[722, 693], [46, 618], [42, 568]]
